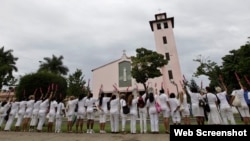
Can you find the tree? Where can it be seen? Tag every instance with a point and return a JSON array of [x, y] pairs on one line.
[[30, 82], [76, 83], [236, 61], [53, 65], [146, 64], [7, 66], [209, 69]]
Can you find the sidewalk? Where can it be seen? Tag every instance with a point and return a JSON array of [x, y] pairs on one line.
[[34, 136]]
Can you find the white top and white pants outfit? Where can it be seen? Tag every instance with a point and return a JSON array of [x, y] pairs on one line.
[[133, 116], [59, 115], [43, 109], [225, 109], [114, 115], [13, 112], [21, 112], [143, 116]]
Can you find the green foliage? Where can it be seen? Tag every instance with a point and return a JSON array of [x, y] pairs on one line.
[[146, 64], [236, 61], [76, 83], [7, 66], [53, 65], [30, 82]]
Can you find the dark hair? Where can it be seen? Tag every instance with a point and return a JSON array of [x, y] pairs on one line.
[[113, 97], [172, 95], [151, 97], [81, 96], [101, 98], [194, 89], [90, 95], [162, 91], [208, 89]]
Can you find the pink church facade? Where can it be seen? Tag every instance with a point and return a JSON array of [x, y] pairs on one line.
[[117, 73]]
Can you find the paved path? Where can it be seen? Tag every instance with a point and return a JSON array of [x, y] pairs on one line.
[[34, 136]]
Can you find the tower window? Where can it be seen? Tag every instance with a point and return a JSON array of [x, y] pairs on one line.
[[158, 26], [170, 74], [167, 56], [165, 25], [164, 39]]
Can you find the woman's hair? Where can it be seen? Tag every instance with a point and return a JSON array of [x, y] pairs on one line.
[[194, 89], [151, 97], [130, 98], [81, 96], [101, 98], [90, 95], [113, 97], [172, 95], [162, 91]]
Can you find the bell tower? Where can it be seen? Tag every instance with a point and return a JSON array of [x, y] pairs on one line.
[[162, 27]]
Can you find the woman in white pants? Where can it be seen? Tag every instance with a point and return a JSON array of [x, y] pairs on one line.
[[226, 110], [43, 111], [103, 111], [60, 111], [12, 115], [132, 102], [34, 116], [163, 98], [52, 113], [114, 113], [20, 113], [4, 107], [28, 112], [142, 113], [153, 114], [81, 112], [90, 103], [123, 102], [71, 106]]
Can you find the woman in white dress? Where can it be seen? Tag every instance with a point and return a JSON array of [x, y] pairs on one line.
[[4, 106], [114, 112], [243, 109], [214, 115], [103, 111], [81, 112], [28, 112], [143, 113], [225, 108], [12, 115], [197, 111], [132, 103], [43, 110], [90, 103], [70, 108], [20, 113], [174, 104], [52, 112], [36, 106], [184, 107]]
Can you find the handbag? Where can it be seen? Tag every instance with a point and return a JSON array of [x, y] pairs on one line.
[[206, 106], [158, 107], [236, 102], [201, 103], [125, 109]]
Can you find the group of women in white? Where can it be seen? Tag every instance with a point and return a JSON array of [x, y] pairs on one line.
[[31, 114]]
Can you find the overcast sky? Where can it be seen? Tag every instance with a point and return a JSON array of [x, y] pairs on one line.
[[92, 33]]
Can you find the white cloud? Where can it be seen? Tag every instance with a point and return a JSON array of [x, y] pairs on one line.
[[92, 33]]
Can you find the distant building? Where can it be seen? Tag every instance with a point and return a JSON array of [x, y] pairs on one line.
[[117, 73]]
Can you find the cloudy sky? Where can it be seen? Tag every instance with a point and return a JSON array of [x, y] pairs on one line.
[[91, 33]]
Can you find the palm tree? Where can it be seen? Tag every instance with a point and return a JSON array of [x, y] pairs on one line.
[[7, 66], [53, 65]]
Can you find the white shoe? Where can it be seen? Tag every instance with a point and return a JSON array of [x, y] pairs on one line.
[[88, 131]]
